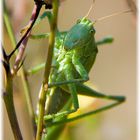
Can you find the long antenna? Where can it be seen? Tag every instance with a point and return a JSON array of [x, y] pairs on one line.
[[112, 15], [93, 1]]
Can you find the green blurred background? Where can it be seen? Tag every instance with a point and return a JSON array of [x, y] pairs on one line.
[[114, 71]]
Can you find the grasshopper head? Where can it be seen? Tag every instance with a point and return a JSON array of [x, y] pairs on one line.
[[79, 35]]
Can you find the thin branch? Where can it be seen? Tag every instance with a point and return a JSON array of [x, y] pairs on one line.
[[44, 87], [37, 8], [8, 99], [24, 39]]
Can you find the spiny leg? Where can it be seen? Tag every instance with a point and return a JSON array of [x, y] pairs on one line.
[[84, 90]]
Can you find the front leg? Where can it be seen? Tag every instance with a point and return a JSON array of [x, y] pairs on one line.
[[105, 40], [80, 68]]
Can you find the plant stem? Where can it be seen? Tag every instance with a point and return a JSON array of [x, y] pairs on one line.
[[8, 99], [21, 73], [44, 87], [13, 119]]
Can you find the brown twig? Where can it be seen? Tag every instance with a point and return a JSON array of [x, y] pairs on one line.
[[23, 41]]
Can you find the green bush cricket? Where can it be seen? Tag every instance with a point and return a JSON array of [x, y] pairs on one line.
[[74, 54]]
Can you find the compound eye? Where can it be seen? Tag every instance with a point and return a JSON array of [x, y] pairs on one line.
[[92, 31]]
